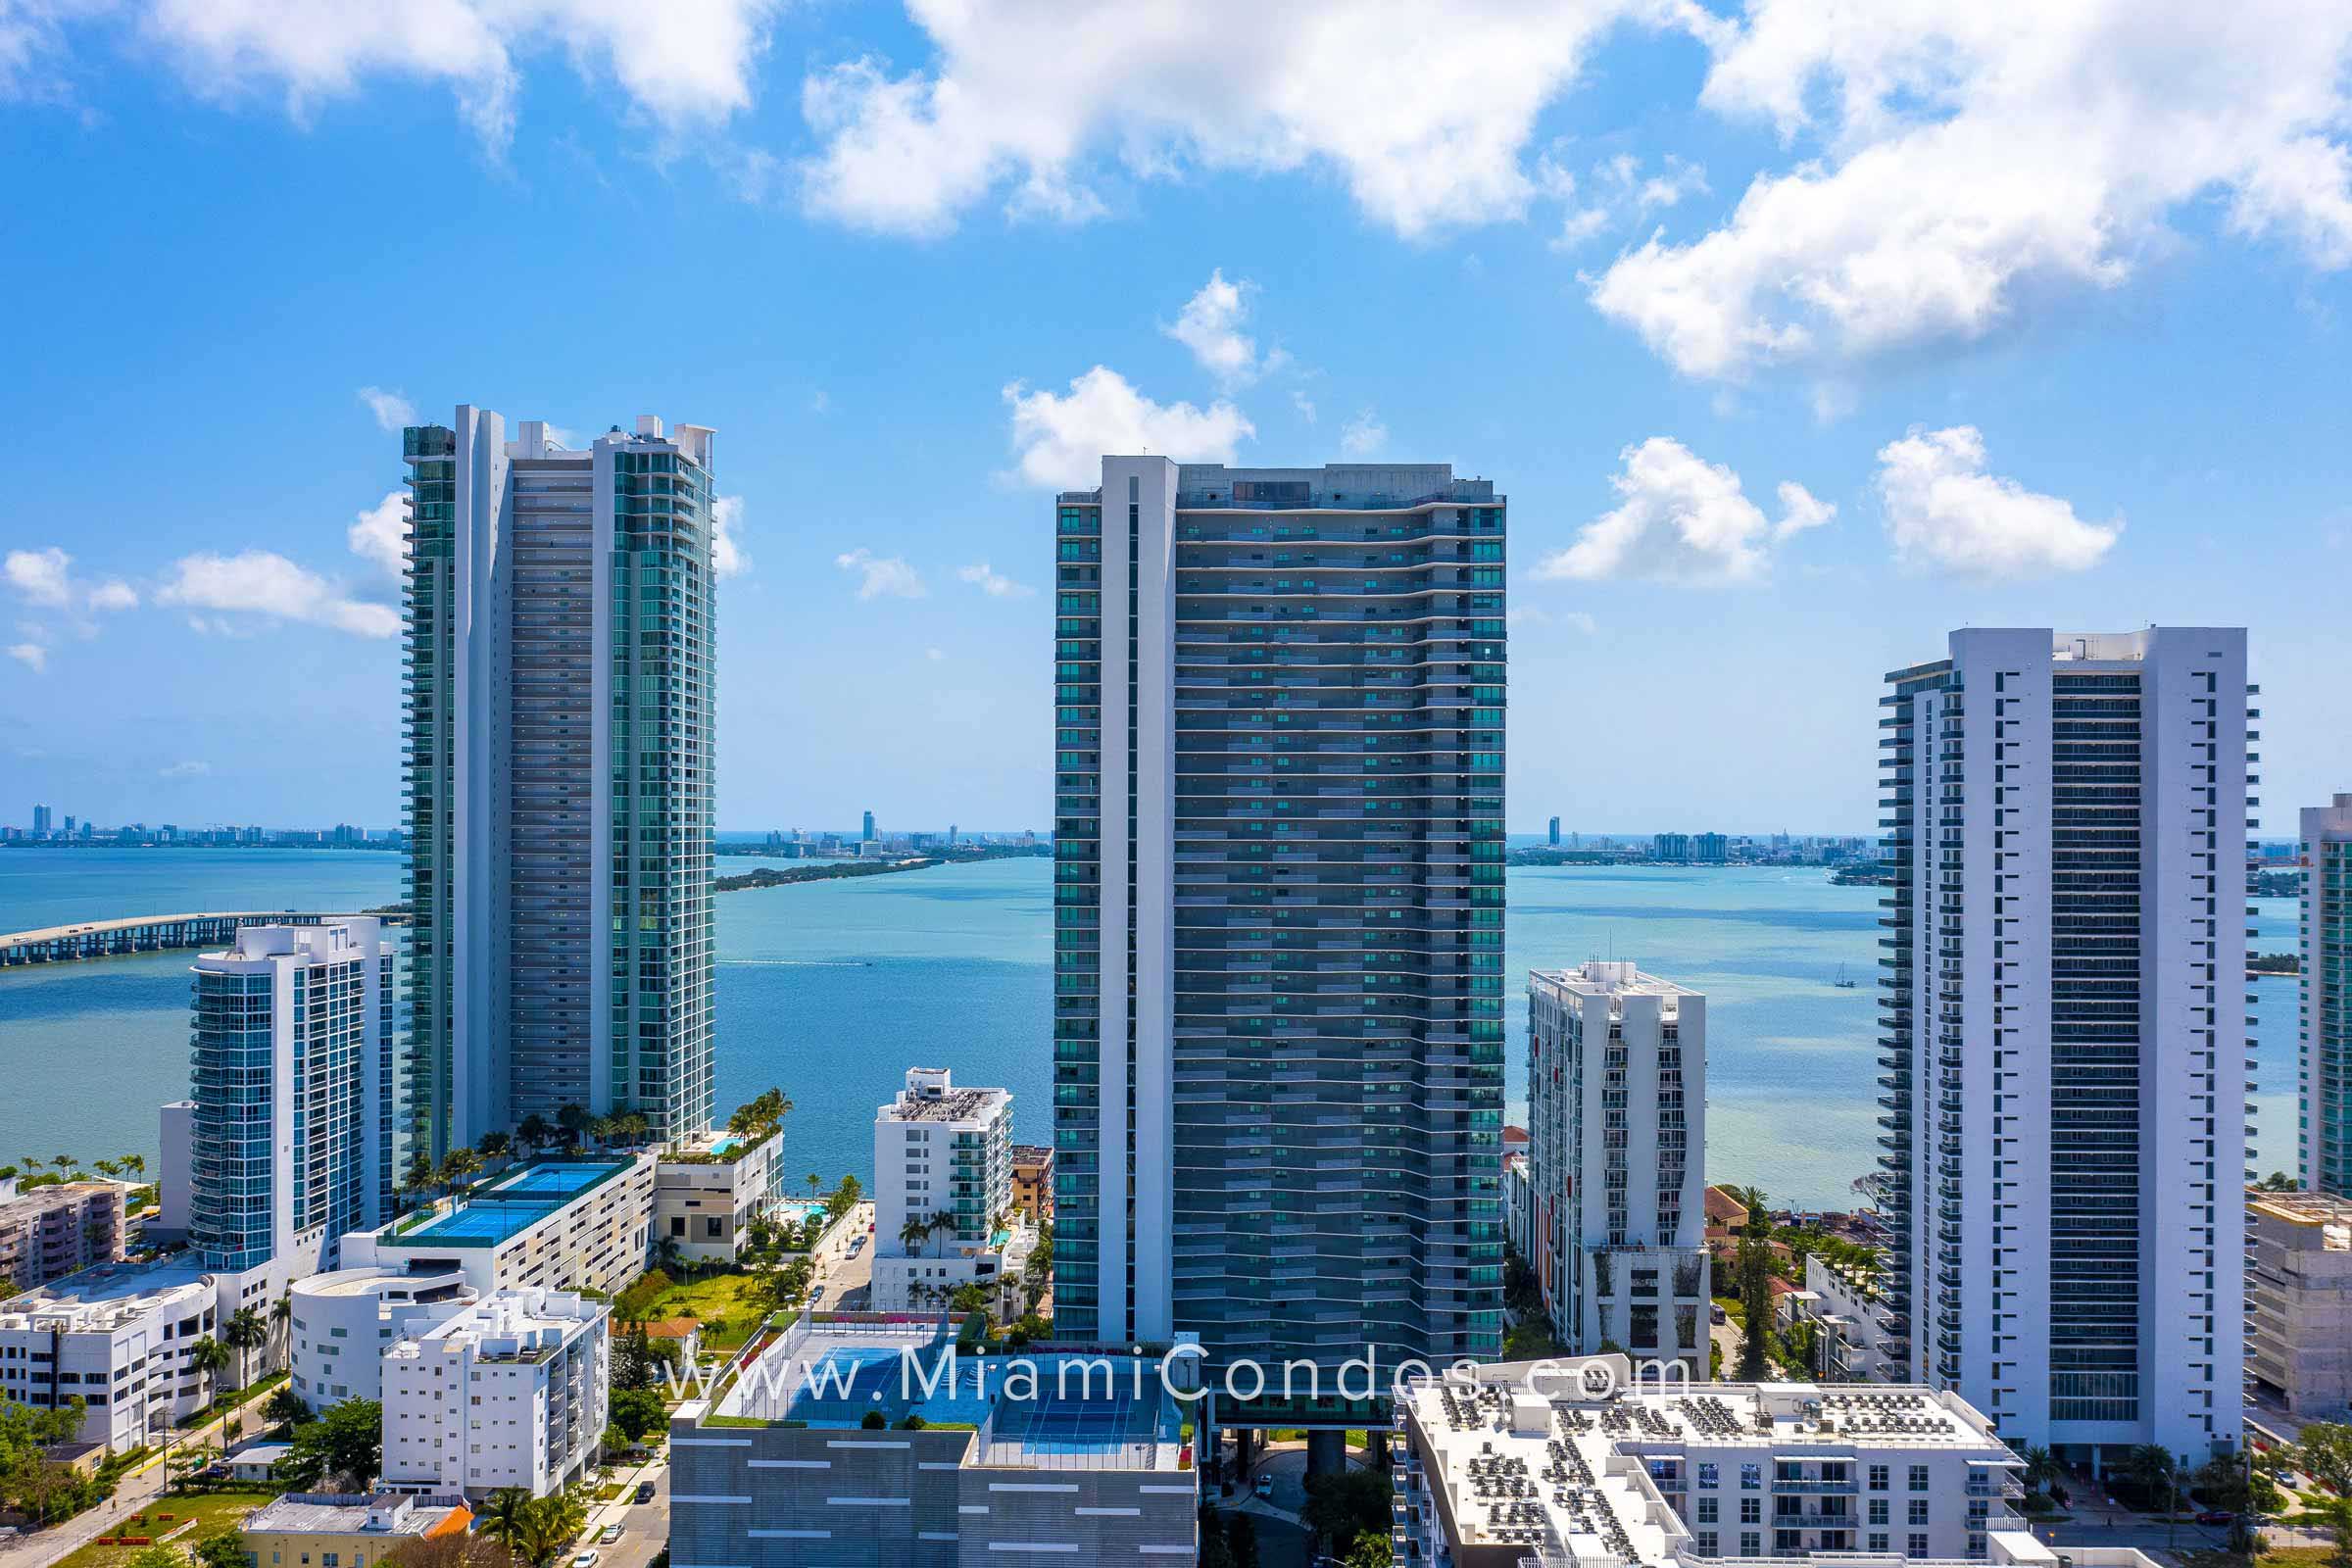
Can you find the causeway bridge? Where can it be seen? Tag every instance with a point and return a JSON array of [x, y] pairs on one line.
[[149, 933]]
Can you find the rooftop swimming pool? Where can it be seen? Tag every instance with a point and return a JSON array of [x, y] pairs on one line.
[[509, 1203]]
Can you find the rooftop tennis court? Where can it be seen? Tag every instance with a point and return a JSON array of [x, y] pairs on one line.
[[511, 1204]]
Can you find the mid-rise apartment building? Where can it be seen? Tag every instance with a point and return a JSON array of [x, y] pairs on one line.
[[708, 1192], [1617, 1075], [561, 625], [2325, 1067], [1845, 1305], [339, 1326], [292, 1139], [53, 1231], [513, 1392], [1568, 1462], [2064, 1041], [2299, 1301], [115, 1336], [1278, 935], [552, 1225], [944, 1214]]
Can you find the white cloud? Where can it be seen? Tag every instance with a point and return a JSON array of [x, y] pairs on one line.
[[32, 656], [40, 576], [391, 410], [1982, 164], [1620, 194], [1363, 436], [1210, 326], [1681, 520], [190, 769], [1799, 510], [692, 70], [994, 583], [1061, 439], [263, 583], [936, 656], [1424, 116], [1305, 405], [114, 593], [1944, 512], [727, 555], [881, 576], [379, 535]]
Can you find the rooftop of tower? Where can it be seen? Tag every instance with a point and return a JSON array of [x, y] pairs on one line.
[[1333, 487], [1614, 977]]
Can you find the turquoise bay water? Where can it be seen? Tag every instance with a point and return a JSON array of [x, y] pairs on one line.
[[833, 989]]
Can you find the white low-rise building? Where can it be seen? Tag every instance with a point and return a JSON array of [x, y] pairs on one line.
[[513, 1392], [553, 1224], [341, 1324], [2299, 1301], [117, 1338], [1560, 1462], [1848, 1308], [706, 1194]]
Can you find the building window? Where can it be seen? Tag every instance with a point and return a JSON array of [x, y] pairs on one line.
[[1752, 1477], [1918, 1545], [1878, 1510], [1877, 1478], [1918, 1477], [1751, 1511], [1706, 1510], [1751, 1543], [1919, 1511]]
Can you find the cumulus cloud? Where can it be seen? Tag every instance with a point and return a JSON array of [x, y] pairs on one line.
[[1363, 436], [994, 583], [881, 576], [1620, 192], [190, 769], [114, 593], [1424, 118], [261, 582], [1210, 326], [1681, 520], [1967, 165], [40, 576], [694, 73], [1060, 439], [391, 410], [32, 656], [1945, 512], [379, 535], [727, 555]]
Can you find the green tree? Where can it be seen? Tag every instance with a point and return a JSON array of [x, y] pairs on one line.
[[244, 1331], [2324, 1454], [285, 1406], [2041, 1468], [534, 1130], [844, 1197], [2153, 1469], [574, 1120], [637, 1412], [1371, 1551], [1755, 1269], [211, 1358], [495, 1146], [1241, 1540], [1343, 1506], [501, 1515], [220, 1548], [759, 1118], [158, 1555], [457, 1167], [1214, 1552], [345, 1445]]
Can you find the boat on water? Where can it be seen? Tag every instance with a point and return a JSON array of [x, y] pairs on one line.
[[1844, 981]]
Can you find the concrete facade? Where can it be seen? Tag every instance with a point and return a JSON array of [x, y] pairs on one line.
[[174, 1174], [1278, 833], [2064, 1044], [513, 1392], [706, 1194], [116, 1337], [1844, 1307], [51, 1232], [1617, 1065], [341, 1324], [2299, 1301]]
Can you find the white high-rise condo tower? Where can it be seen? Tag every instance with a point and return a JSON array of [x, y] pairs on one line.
[[559, 746], [2327, 984], [2065, 1040], [1617, 1098]]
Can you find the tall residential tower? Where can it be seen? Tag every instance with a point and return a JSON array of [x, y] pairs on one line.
[[560, 695], [2064, 1041], [2327, 984], [1278, 933]]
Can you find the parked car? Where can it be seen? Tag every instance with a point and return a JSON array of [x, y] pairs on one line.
[[645, 1491], [1715, 1315], [2217, 1516], [586, 1559], [608, 1535], [1266, 1485]]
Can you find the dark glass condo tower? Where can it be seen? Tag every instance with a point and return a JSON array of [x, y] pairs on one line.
[[1278, 904]]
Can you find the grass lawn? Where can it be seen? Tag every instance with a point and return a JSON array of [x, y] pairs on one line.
[[209, 1511], [728, 1298]]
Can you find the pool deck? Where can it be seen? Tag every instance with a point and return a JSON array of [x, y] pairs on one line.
[[509, 1205]]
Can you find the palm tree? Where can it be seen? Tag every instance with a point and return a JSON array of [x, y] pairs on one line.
[[574, 1120], [548, 1525], [244, 1331], [2152, 1466], [211, 1358], [632, 1127], [495, 1146], [2041, 1468], [912, 1234], [282, 1313], [64, 1161], [816, 1184], [458, 1164], [108, 1168], [137, 1164], [503, 1516], [534, 1130]]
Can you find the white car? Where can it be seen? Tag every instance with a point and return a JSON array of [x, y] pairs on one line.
[[610, 1534], [586, 1559]]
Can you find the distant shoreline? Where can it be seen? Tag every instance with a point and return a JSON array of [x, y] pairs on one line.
[[768, 876]]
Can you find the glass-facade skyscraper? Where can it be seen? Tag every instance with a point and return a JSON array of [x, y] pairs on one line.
[[1278, 932], [561, 626]]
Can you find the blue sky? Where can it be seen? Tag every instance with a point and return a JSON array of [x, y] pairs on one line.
[[1794, 342]]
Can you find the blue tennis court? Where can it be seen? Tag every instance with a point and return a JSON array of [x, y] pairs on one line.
[[1052, 1425], [848, 1380]]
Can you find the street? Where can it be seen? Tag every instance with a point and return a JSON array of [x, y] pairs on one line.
[[644, 1527]]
